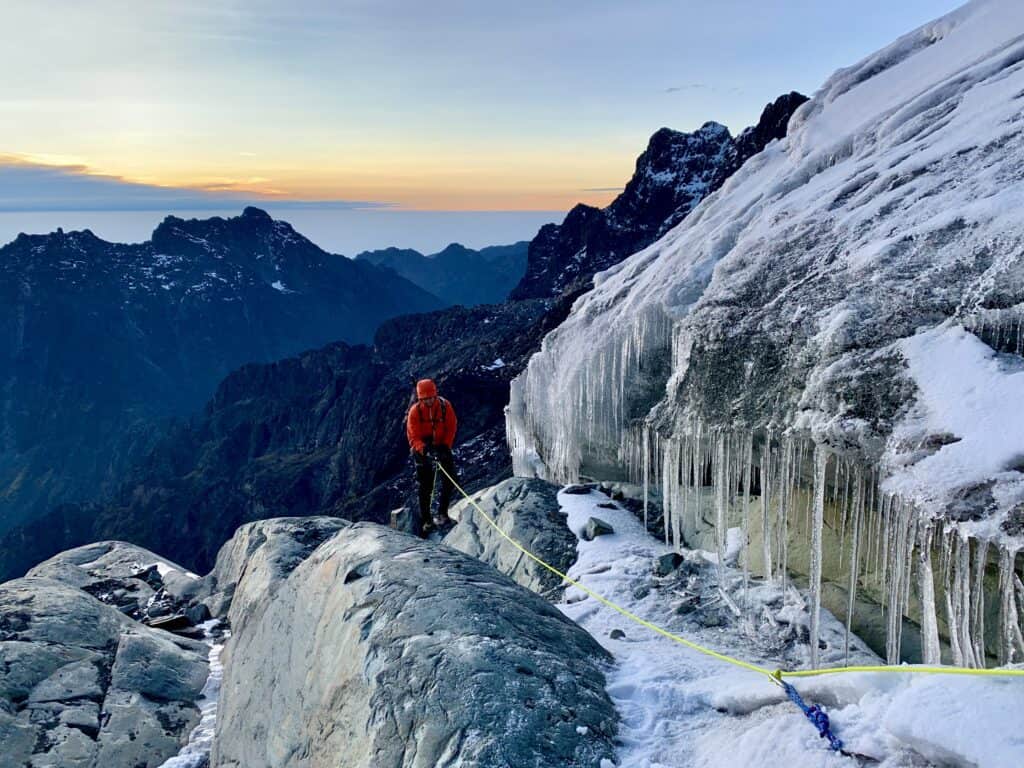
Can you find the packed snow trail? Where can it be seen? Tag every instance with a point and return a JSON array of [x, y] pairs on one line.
[[680, 708], [196, 753]]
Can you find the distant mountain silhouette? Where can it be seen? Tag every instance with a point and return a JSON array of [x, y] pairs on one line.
[[98, 339], [458, 275]]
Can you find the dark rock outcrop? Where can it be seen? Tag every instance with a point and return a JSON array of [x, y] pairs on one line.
[[139, 583], [99, 340], [674, 173], [458, 275], [383, 650], [527, 509], [83, 686]]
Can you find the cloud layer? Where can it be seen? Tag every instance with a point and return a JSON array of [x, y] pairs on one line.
[[30, 186]]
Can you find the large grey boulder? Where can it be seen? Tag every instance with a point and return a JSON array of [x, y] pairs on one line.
[[260, 555], [382, 650], [84, 686], [139, 583], [527, 509]]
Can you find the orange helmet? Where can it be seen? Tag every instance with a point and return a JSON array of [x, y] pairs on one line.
[[426, 388]]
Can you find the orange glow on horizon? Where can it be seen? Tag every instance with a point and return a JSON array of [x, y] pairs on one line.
[[437, 184]]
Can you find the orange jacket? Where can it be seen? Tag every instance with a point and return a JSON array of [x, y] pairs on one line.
[[430, 423]]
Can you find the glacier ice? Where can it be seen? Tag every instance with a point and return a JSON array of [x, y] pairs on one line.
[[852, 296]]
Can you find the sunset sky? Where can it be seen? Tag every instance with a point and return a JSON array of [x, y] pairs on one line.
[[424, 105]]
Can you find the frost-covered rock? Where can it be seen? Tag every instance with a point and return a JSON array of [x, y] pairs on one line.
[[84, 686], [383, 650], [837, 329], [527, 510], [595, 527]]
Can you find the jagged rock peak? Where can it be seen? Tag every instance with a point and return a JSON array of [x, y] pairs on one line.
[[772, 124], [674, 173], [251, 212]]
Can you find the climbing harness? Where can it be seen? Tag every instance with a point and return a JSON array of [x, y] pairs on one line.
[[813, 713], [430, 419]]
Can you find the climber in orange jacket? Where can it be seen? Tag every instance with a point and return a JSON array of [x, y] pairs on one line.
[[430, 427]]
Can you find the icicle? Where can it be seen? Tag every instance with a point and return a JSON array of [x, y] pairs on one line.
[[951, 553], [962, 600], [766, 488], [721, 481], [1011, 641], [887, 535], [978, 602], [900, 560], [851, 598], [930, 649], [646, 453], [785, 499], [845, 519], [820, 467], [667, 489], [748, 460]]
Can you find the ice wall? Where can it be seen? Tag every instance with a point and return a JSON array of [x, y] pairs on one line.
[[800, 317]]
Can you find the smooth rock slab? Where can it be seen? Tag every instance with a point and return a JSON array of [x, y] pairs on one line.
[[260, 555], [526, 509], [381, 650]]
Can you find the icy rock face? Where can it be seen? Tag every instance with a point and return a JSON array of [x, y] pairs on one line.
[[383, 650], [527, 509], [83, 686], [257, 559], [137, 582], [826, 327]]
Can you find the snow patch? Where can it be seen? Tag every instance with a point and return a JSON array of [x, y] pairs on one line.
[[681, 708], [196, 753], [965, 391]]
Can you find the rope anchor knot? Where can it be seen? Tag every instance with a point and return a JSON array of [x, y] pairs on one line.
[[817, 717]]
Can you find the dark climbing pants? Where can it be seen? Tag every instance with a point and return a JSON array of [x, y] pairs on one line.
[[425, 473]]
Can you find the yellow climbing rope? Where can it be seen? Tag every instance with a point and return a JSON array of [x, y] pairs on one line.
[[775, 676]]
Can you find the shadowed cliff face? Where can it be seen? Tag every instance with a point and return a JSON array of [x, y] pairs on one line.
[[98, 340], [675, 172], [319, 433]]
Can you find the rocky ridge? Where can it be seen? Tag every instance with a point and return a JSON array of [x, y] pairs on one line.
[[674, 173], [84, 686], [379, 649]]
